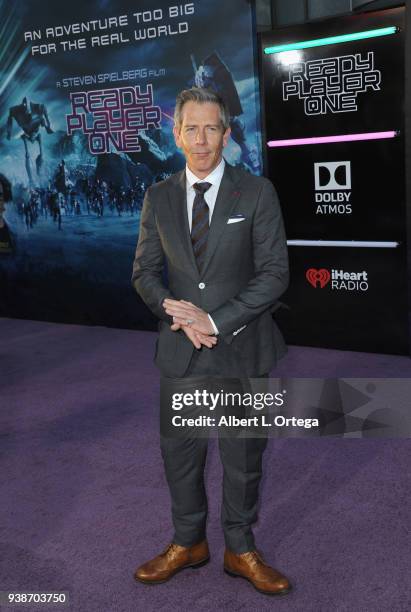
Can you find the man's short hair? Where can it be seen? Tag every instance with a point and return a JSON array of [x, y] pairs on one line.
[[7, 195], [201, 95]]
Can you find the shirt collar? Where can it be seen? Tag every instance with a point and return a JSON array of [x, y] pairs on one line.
[[214, 177]]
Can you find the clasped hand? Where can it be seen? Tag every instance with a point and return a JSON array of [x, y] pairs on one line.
[[194, 322]]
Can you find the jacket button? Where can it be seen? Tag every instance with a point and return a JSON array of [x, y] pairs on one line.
[[201, 285]]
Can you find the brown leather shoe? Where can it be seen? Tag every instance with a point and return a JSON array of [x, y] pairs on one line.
[[251, 565], [173, 559]]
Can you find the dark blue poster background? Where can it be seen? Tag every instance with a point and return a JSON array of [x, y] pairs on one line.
[[87, 99]]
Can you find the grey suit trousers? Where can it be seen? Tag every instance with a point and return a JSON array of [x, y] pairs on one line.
[[185, 458]]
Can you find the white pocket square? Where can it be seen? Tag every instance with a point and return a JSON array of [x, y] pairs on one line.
[[235, 220]]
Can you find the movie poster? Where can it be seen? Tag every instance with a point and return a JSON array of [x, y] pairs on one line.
[[87, 101]]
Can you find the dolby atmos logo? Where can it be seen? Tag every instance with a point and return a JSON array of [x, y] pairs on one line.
[[332, 184]]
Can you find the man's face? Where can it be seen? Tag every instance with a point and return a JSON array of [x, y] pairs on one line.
[[201, 136]]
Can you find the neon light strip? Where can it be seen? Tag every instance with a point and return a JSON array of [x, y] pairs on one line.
[[292, 142], [344, 243], [331, 40]]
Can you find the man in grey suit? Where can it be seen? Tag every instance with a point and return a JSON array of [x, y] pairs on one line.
[[219, 233]]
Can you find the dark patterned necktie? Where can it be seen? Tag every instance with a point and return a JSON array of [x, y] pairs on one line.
[[200, 223]]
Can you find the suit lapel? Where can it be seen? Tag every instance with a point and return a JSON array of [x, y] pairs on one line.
[[178, 200], [226, 200]]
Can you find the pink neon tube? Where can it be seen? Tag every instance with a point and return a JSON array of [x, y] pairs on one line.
[[327, 139]]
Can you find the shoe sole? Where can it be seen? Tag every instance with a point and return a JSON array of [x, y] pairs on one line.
[[192, 565], [235, 575]]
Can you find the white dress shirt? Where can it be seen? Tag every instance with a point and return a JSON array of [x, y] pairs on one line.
[[210, 197]]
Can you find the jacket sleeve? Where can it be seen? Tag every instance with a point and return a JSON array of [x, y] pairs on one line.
[[148, 265], [271, 275]]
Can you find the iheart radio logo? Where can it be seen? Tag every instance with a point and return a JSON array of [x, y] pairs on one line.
[[321, 276]]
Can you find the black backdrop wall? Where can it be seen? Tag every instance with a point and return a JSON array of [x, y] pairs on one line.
[[351, 292]]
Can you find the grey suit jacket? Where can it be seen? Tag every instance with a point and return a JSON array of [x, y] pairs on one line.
[[244, 273]]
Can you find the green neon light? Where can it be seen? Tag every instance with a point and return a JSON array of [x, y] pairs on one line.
[[331, 40]]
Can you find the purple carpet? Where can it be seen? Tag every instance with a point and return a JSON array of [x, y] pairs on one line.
[[84, 499]]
